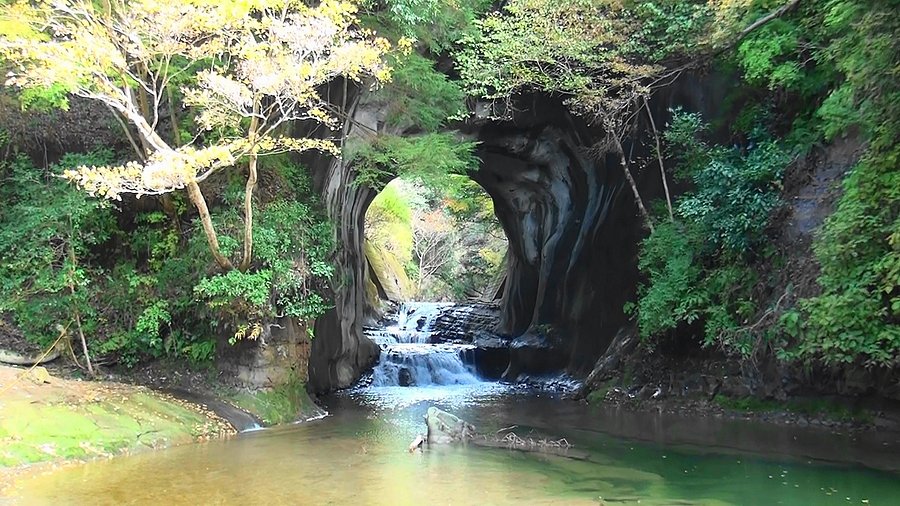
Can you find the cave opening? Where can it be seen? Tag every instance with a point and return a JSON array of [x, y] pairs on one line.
[[434, 239]]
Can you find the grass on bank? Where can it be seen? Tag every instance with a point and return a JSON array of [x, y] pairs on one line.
[[807, 407]]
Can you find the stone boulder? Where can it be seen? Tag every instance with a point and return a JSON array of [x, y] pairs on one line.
[[533, 354], [491, 354]]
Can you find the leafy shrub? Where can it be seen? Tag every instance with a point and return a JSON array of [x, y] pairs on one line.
[[697, 267], [292, 244], [47, 232]]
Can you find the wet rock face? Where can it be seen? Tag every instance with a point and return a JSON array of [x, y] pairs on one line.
[[570, 217], [533, 354], [277, 356], [460, 322], [491, 354], [573, 236], [340, 351]]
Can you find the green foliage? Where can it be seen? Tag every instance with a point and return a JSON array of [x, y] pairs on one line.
[[292, 243], [837, 61], [767, 56], [419, 96], [389, 221], [435, 24], [666, 28], [856, 319], [47, 230], [431, 157], [45, 99], [235, 288], [456, 217], [698, 267], [597, 55], [735, 192]]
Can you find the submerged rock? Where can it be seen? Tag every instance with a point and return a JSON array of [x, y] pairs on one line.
[[446, 428]]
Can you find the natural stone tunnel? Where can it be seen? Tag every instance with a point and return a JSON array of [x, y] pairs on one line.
[[569, 216]]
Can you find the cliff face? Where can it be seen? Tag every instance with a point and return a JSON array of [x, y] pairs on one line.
[[340, 352], [569, 215], [571, 232]]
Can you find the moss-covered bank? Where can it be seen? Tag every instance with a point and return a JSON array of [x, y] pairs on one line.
[[44, 418]]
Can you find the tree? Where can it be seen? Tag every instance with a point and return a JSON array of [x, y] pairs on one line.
[[434, 243], [252, 66]]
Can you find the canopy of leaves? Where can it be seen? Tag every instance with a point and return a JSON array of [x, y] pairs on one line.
[[432, 157], [257, 63], [601, 55]]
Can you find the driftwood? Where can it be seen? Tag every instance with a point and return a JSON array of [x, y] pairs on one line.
[[13, 358], [417, 443], [444, 428], [531, 443]]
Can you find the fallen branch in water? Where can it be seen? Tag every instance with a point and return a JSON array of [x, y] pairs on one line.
[[513, 440]]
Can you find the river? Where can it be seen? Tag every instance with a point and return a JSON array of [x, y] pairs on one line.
[[358, 454]]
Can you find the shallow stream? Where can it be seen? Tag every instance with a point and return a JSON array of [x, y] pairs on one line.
[[358, 455]]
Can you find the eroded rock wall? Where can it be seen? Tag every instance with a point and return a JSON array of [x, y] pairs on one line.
[[570, 217], [340, 350], [279, 355]]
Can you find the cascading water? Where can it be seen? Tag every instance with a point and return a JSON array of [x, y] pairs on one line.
[[410, 355]]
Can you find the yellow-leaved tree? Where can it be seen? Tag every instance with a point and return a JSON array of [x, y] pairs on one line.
[[246, 67]]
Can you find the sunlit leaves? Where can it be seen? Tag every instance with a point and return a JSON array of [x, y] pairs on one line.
[[255, 65]]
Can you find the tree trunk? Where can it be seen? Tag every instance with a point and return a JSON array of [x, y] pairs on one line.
[[252, 178], [84, 349], [662, 167], [173, 117], [199, 202], [75, 312], [633, 184]]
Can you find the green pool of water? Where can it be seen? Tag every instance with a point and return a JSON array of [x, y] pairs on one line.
[[358, 456]]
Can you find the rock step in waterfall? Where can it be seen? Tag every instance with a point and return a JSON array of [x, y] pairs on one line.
[[412, 354], [435, 343]]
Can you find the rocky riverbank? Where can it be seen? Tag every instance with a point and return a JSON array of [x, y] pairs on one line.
[[696, 382]]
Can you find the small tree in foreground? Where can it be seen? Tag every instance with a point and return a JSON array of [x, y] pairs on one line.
[[250, 67]]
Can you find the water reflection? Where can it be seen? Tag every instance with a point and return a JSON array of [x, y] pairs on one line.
[[358, 456]]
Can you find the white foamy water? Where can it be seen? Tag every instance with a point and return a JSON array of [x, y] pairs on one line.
[[409, 357]]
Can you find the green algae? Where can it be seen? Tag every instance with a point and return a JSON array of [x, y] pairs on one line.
[[32, 432], [284, 403]]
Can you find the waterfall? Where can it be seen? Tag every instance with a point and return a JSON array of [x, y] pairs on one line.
[[410, 355]]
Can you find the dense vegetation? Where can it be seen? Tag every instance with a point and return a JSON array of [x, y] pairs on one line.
[[163, 278], [206, 96], [445, 237], [806, 72], [836, 60]]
